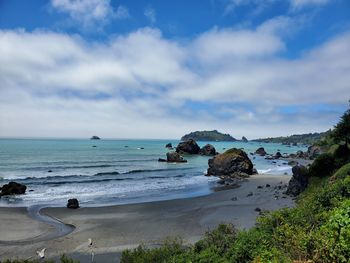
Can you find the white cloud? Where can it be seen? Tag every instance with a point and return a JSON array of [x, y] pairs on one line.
[[122, 12], [145, 86], [150, 14], [90, 13], [298, 4]]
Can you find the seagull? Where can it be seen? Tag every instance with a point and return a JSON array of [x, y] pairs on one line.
[[90, 242], [41, 253]]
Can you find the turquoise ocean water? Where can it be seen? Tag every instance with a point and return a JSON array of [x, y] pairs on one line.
[[113, 172]]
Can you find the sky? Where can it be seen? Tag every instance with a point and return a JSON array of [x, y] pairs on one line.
[[161, 69]]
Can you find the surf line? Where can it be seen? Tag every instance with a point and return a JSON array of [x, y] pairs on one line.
[[61, 229]]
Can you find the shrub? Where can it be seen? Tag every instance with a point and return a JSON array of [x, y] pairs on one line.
[[323, 166]]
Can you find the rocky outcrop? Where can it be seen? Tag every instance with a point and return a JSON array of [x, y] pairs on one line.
[[188, 147], [208, 150], [244, 139], [73, 203], [314, 151], [278, 155], [260, 151], [174, 157], [95, 138], [299, 181], [232, 163], [13, 188], [169, 145]]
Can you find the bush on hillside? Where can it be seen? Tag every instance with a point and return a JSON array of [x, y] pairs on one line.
[[323, 166]]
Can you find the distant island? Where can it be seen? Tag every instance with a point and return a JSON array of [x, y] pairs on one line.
[[95, 138], [208, 136], [307, 138]]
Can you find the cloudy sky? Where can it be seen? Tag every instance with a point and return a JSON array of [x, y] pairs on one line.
[[159, 69]]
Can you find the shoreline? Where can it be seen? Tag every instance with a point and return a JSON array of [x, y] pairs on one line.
[[115, 228]]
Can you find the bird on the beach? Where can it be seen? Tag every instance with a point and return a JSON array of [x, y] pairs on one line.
[[41, 253], [90, 242]]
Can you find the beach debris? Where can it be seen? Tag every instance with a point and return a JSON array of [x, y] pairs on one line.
[[73, 203], [257, 209], [250, 194], [13, 188], [259, 187], [41, 253]]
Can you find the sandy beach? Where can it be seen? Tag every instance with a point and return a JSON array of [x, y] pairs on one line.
[[116, 228]]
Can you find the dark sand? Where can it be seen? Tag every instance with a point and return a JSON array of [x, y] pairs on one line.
[[116, 228]]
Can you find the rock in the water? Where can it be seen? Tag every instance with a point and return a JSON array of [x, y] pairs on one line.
[[278, 155], [208, 150], [299, 181], [190, 147], [13, 188], [261, 151], [161, 160], [95, 138], [174, 157], [244, 139], [232, 163], [169, 145], [73, 203]]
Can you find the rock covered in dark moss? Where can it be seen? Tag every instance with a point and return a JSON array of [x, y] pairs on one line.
[[13, 188], [299, 180], [190, 147], [208, 150], [232, 163]]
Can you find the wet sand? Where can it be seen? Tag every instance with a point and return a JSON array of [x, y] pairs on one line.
[[115, 228]]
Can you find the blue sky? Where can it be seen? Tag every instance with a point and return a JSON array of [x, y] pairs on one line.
[[159, 69]]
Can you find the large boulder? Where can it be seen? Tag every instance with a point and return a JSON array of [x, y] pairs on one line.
[[232, 163], [260, 151], [13, 188], [208, 150], [299, 180], [174, 157], [169, 145], [244, 139], [190, 147], [278, 155], [73, 203]]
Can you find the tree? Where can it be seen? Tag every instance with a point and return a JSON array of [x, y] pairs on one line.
[[341, 132]]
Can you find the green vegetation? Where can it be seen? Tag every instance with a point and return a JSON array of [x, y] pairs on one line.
[[208, 136], [309, 138]]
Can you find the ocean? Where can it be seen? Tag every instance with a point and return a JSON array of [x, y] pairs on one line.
[[108, 172]]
